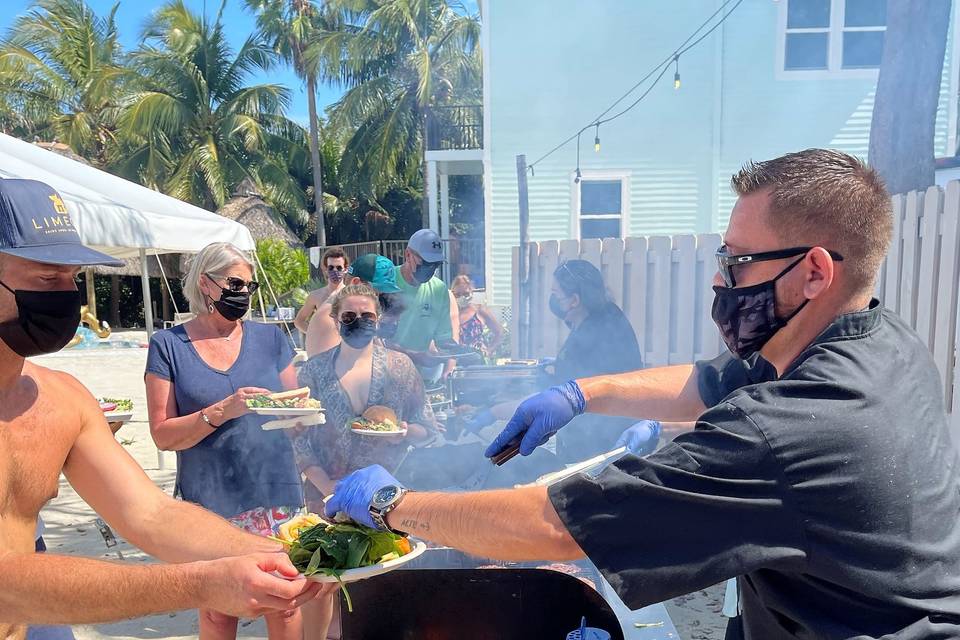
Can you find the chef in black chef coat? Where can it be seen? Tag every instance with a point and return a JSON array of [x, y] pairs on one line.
[[823, 474]]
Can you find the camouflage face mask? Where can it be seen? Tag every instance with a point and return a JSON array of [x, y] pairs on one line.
[[747, 317]]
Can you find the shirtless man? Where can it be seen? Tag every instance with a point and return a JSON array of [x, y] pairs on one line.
[[50, 423], [313, 324]]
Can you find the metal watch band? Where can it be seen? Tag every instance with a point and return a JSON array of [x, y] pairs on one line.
[[379, 516]]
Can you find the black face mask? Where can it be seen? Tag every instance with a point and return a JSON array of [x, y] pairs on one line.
[[746, 316], [556, 308], [424, 271], [232, 305], [359, 333], [46, 321]]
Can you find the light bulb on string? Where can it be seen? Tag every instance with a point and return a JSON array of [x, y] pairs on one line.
[[676, 73], [578, 176], [596, 141]]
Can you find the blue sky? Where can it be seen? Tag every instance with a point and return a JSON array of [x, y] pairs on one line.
[[132, 14]]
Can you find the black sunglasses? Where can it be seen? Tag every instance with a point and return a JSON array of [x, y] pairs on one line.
[[335, 267], [349, 317], [726, 262], [236, 285]]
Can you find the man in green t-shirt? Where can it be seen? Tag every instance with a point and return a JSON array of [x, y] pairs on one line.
[[427, 318]]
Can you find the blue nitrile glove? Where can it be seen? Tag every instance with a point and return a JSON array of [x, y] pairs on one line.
[[641, 438], [539, 417], [353, 494], [479, 421]]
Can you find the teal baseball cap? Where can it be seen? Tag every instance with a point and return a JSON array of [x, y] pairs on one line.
[[377, 271]]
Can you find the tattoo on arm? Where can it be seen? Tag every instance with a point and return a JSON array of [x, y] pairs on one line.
[[410, 525]]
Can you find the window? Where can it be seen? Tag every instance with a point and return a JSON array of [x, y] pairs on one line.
[[831, 37], [601, 202]]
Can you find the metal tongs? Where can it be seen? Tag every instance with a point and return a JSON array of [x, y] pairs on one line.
[[552, 478], [511, 450]]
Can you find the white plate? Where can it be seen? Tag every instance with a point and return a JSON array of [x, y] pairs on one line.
[[353, 575], [285, 411], [117, 416], [382, 434], [302, 421]]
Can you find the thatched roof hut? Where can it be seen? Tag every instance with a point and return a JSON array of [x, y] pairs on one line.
[[248, 207], [173, 267]]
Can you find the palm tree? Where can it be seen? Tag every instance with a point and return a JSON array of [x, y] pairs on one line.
[[196, 129], [397, 55], [61, 76], [288, 25]]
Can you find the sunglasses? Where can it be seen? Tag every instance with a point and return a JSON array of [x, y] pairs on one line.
[[349, 317], [726, 262], [236, 285], [335, 267]]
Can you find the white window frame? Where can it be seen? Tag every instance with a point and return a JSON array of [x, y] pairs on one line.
[[834, 47], [623, 175]]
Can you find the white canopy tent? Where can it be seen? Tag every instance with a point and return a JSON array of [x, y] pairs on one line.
[[119, 217]]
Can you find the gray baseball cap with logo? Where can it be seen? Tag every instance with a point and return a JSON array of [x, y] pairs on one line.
[[35, 225], [427, 244]]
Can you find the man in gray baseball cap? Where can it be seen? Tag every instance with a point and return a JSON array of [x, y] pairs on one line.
[[430, 317], [52, 425]]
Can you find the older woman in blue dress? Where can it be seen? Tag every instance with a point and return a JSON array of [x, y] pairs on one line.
[[199, 377]]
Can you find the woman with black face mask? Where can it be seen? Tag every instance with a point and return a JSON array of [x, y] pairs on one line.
[[601, 341], [199, 377], [358, 374]]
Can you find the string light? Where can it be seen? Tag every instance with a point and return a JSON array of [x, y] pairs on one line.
[[710, 25], [596, 141]]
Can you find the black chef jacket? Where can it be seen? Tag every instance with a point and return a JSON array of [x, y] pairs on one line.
[[603, 343], [832, 491]]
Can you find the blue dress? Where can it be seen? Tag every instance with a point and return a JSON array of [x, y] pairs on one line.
[[239, 466]]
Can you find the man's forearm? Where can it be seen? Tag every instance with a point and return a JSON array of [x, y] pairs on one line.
[[662, 393], [517, 524], [183, 532], [52, 589]]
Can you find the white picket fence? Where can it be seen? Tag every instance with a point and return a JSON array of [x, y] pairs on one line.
[[920, 277], [662, 283]]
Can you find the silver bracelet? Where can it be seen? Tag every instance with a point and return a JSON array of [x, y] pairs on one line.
[[206, 419]]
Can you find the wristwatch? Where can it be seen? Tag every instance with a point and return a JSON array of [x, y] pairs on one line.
[[383, 502]]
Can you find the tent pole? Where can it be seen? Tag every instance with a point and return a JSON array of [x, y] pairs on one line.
[[148, 317], [147, 302]]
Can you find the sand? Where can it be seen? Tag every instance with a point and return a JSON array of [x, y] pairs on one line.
[[71, 524]]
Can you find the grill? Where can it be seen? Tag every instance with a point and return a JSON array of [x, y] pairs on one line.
[[485, 385], [447, 595]]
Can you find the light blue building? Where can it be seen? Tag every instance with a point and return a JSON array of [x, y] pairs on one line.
[[776, 76]]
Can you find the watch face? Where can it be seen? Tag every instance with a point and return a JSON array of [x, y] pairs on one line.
[[385, 495]]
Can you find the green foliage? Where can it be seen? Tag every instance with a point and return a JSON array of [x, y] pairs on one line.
[[397, 58], [194, 126], [180, 113], [283, 267], [62, 77]]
